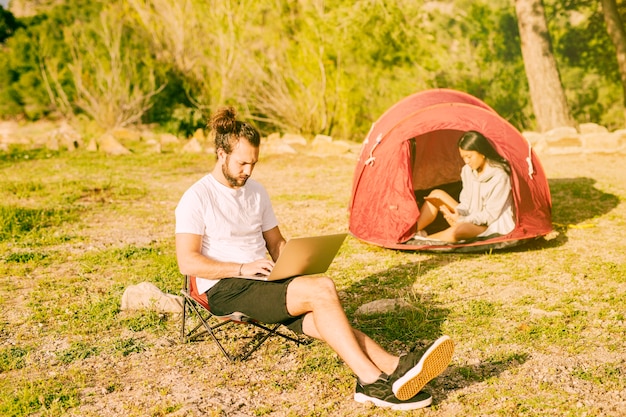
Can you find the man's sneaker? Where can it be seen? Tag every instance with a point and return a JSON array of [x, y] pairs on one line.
[[381, 395], [417, 368]]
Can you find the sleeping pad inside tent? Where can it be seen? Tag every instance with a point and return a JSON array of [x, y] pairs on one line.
[[413, 148]]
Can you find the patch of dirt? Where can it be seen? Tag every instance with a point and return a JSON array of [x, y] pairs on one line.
[[174, 379]]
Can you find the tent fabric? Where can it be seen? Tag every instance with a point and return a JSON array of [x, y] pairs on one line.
[[413, 147]]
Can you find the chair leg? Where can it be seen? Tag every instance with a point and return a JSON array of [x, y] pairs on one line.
[[246, 354], [182, 327], [203, 327], [274, 332]]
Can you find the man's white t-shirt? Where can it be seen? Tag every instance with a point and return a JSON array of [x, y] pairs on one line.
[[231, 221]]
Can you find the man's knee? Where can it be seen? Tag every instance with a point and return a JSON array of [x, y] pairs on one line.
[[327, 286], [317, 288], [306, 294]]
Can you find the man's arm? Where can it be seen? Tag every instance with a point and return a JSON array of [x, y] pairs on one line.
[[191, 261], [274, 242]]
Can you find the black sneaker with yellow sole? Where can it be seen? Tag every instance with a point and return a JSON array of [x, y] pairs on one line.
[[380, 394], [417, 368]]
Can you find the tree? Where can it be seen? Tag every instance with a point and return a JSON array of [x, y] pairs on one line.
[[544, 82], [113, 78], [8, 24], [617, 33]]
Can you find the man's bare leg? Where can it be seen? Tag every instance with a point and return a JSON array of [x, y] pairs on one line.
[[325, 319]]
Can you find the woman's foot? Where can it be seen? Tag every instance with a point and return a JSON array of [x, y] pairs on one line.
[[421, 234]]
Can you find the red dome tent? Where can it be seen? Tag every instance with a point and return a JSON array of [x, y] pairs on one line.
[[412, 148]]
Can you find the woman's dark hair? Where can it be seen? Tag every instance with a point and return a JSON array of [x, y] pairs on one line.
[[475, 141], [228, 130]]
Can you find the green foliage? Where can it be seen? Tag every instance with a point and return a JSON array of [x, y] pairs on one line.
[[307, 67], [77, 351], [126, 347], [486, 33], [587, 61], [25, 257], [13, 357], [146, 320], [37, 45], [111, 70], [15, 222], [19, 154], [8, 24], [173, 110], [52, 395], [606, 375]]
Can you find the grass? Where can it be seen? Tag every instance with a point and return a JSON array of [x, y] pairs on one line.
[[540, 329]]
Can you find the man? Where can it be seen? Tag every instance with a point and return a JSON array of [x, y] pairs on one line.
[[225, 225]]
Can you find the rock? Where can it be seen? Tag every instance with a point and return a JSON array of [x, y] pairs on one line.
[[148, 135], [324, 145], [154, 145], [199, 135], [273, 144], [64, 137], [52, 143], [383, 306], [167, 138], [592, 128], [563, 140], [322, 140], [535, 139], [193, 146], [7, 129], [600, 142], [123, 134], [291, 139], [147, 296], [109, 145], [92, 146], [621, 135]]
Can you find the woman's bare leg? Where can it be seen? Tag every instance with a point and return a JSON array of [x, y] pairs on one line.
[[428, 211], [428, 214], [460, 231]]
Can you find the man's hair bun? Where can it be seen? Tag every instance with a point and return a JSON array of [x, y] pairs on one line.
[[224, 120]]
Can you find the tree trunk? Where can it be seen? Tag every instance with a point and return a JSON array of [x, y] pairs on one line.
[[546, 90], [617, 33]]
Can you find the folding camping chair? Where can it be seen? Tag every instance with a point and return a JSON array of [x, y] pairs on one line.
[[197, 311]]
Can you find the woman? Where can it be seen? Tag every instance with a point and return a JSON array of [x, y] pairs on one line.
[[486, 205]]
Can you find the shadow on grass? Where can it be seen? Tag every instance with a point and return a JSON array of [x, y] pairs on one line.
[[415, 322], [459, 377], [418, 323], [575, 201]]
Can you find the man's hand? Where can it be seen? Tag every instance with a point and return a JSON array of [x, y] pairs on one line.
[[259, 267]]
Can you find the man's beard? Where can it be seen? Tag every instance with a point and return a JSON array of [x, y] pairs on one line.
[[235, 182]]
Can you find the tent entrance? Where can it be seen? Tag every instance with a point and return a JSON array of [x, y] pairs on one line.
[[436, 163]]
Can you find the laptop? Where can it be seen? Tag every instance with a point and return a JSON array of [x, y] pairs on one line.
[[304, 256]]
